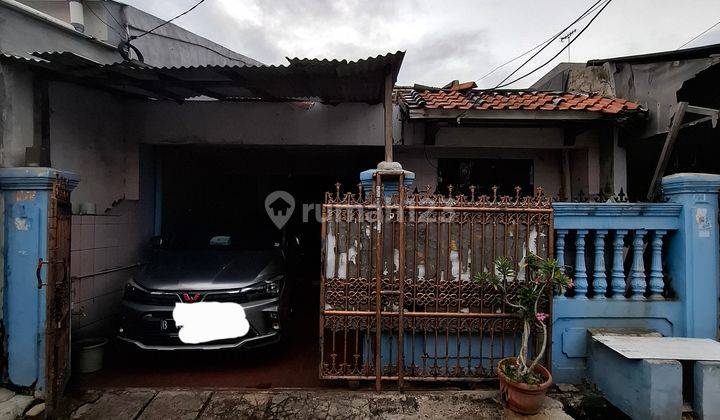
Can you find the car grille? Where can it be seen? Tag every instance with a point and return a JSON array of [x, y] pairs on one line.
[[226, 297], [166, 299]]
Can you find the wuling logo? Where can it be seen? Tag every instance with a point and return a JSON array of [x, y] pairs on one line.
[[191, 298]]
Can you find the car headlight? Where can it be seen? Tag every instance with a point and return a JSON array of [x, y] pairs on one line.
[[265, 289]]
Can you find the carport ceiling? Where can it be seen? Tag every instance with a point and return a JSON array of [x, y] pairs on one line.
[[328, 81]]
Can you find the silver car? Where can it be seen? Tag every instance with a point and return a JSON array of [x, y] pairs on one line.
[[216, 271]]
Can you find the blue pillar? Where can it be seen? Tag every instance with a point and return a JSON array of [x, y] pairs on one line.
[[581, 283], [693, 250], [26, 193]]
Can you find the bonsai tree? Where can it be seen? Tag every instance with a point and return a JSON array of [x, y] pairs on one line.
[[524, 300]]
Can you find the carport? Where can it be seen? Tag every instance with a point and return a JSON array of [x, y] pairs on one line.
[[152, 145]]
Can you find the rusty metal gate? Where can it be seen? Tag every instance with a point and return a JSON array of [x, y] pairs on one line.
[[398, 300], [57, 294]]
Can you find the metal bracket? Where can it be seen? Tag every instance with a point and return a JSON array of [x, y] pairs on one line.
[[38, 271]]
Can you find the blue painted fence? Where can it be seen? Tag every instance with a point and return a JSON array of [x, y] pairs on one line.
[[637, 265]]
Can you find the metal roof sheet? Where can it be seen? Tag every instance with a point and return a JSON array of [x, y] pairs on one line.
[[330, 81]]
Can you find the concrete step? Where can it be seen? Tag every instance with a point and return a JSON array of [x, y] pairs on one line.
[[642, 374]]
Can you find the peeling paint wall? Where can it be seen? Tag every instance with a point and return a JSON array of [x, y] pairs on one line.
[[16, 113], [88, 136]]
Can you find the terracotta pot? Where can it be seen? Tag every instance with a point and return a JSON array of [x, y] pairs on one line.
[[520, 397]]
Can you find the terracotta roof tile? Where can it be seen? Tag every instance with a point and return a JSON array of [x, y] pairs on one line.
[[463, 96]]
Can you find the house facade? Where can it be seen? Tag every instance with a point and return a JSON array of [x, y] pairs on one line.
[[658, 82], [567, 143], [146, 148]]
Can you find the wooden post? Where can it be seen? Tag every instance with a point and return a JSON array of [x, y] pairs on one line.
[[387, 103], [667, 149], [565, 180]]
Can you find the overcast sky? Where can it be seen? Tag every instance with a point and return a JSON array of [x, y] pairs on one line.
[[444, 39]]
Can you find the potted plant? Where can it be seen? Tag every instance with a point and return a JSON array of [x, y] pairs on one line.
[[523, 380]]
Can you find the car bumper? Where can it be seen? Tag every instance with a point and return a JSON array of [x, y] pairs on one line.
[[140, 325]]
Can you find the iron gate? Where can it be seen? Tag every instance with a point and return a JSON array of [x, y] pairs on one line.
[[57, 294], [398, 300]]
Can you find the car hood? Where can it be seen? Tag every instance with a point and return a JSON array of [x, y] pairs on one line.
[[208, 269]]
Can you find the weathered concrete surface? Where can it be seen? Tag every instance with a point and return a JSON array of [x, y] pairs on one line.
[[706, 386], [14, 406], [149, 404], [183, 405], [125, 404]]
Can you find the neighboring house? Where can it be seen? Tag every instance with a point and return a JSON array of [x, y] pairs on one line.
[[563, 141], [657, 81], [155, 144], [46, 122]]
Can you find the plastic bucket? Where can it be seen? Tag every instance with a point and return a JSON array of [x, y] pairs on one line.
[[89, 354]]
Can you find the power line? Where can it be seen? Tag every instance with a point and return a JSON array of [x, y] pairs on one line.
[[699, 35], [513, 60], [196, 45], [103, 21], [167, 21], [120, 25], [544, 45], [588, 11], [563, 49]]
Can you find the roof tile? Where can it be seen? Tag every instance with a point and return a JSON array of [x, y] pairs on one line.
[[461, 96]]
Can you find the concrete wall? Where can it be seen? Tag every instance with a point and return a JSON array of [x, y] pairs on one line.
[[23, 32], [16, 114], [544, 145], [88, 136], [214, 122]]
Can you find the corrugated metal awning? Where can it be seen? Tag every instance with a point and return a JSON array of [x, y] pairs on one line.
[[329, 81]]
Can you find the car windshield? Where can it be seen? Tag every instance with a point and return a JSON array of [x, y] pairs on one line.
[[221, 239]]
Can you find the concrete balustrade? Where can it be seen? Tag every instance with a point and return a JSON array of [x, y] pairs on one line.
[[601, 251], [648, 266]]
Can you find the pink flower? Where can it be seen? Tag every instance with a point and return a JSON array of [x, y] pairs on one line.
[[571, 284], [536, 280], [541, 316]]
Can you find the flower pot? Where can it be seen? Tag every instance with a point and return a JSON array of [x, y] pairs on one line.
[[521, 397]]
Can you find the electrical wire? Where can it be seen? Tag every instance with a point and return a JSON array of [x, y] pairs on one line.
[[544, 45], [699, 35], [87, 3], [167, 21], [588, 11], [559, 52], [120, 25], [514, 59], [198, 45]]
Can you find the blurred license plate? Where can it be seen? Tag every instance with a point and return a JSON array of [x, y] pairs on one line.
[[167, 325]]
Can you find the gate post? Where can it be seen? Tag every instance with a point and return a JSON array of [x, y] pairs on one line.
[[693, 250], [26, 194]]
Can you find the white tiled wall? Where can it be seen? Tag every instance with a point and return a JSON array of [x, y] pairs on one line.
[[100, 243]]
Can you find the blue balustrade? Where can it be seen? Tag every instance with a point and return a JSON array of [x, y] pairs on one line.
[[598, 221], [651, 266]]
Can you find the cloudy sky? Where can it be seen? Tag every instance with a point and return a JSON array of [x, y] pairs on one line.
[[444, 39]]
